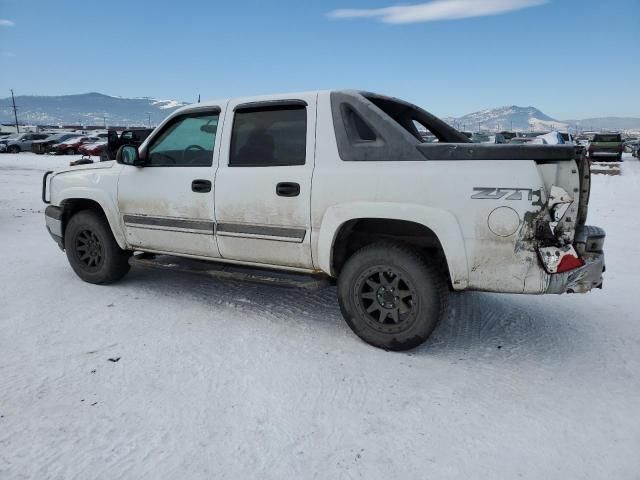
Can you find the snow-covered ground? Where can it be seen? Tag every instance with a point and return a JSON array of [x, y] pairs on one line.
[[225, 380]]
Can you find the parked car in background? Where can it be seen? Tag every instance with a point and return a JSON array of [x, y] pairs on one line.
[[551, 138], [72, 145], [568, 138], [93, 149], [630, 144], [606, 146], [7, 139], [22, 142], [531, 134], [498, 138], [43, 146], [520, 140], [508, 135], [133, 137], [480, 137]]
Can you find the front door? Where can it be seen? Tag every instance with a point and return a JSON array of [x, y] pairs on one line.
[[263, 184], [168, 205]]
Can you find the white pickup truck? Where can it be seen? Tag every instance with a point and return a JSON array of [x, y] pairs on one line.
[[341, 184]]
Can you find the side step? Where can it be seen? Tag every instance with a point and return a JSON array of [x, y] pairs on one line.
[[237, 273]]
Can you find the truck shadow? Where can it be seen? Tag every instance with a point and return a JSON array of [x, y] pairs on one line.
[[479, 326]]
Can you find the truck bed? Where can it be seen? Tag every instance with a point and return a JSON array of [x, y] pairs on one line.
[[474, 151]]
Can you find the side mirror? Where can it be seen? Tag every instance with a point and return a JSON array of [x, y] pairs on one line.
[[128, 155]]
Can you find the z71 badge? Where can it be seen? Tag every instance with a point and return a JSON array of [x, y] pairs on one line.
[[490, 193]]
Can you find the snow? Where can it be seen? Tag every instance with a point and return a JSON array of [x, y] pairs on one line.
[[220, 379], [167, 104]]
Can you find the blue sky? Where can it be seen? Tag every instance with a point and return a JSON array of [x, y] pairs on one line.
[[570, 58]]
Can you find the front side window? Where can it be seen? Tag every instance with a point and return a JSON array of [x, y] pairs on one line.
[[187, 141], [269, 137]]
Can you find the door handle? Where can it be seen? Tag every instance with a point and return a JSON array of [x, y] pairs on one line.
[[201, 186], [288, 189]]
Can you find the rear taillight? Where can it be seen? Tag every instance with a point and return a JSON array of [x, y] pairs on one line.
[[560, 259], [569, 262]]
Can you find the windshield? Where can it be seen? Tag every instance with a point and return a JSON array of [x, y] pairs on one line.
[[607, 138]]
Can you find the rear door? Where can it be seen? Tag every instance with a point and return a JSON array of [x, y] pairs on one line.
[[263, 183]]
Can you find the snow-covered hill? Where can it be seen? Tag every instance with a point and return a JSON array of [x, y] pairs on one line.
[[87, 109], [507, 118], [94, 108], [530, 118]]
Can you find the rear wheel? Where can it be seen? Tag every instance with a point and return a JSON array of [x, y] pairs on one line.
[[391, 296], [70, 151], [14, 149], [92, 251]]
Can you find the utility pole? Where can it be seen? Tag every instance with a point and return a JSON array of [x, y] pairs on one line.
[[149, 118], [15, 111], [104, 119], [198, 98]]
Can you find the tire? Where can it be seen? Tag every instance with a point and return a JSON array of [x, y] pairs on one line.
[[70, 151], [14, 149], [391, 296], [92, 251]]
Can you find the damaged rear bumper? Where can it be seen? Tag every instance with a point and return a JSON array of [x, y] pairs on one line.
[[589, 243]]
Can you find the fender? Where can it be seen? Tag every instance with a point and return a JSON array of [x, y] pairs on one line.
[[442, 223], [70, 185]]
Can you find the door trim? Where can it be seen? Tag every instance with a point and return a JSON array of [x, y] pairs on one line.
[[201, 227], [261, 232]]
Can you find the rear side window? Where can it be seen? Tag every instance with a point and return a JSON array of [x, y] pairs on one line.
[[357, 128], [269, 136]]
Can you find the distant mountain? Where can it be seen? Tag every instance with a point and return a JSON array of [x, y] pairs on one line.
[[530, 118], [92, 108], [87, 109], [507, 118]]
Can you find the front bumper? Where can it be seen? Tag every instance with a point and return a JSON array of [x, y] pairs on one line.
[[53, 219], [589, 243]]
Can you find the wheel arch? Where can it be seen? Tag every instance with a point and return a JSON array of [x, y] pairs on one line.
[[424, 227], [73, 205]]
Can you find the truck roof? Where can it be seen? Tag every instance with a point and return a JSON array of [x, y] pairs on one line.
[[257, 98]]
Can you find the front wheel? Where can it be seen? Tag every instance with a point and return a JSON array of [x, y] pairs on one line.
[[391, 296], [92, 251], [14, 149], [70, 151]]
